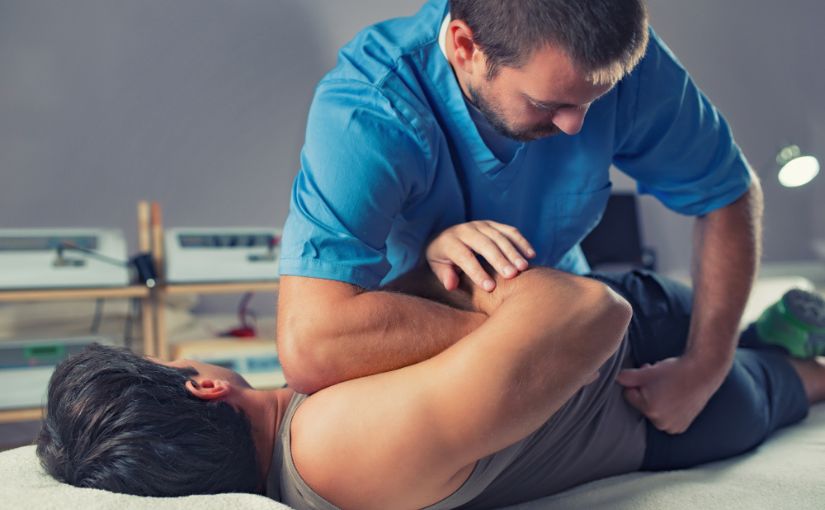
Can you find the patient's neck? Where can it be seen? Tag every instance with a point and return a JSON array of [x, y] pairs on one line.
[[265, 410]]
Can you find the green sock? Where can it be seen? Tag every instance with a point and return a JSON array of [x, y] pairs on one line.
[[795, 322]]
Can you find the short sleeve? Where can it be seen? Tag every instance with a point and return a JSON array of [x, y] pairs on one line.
[[359, 165], [673, 141]]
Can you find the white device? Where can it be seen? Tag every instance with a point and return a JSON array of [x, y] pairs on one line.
[[27, 365], [200, 255], [62, 257]]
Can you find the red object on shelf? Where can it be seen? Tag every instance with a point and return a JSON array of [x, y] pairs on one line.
[[241, 332]]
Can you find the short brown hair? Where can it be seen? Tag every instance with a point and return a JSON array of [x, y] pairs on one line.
[[605, 38]]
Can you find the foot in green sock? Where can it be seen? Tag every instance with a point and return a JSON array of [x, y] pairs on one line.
[[795, 322]]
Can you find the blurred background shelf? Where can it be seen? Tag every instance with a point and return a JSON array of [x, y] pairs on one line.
[[220, 288], [134, 291], [18, 415]]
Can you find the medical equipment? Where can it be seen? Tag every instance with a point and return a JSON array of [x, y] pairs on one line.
[[27, 365], [200, 255], [62, 258]]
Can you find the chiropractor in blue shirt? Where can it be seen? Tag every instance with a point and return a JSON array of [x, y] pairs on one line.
[[495, 123]]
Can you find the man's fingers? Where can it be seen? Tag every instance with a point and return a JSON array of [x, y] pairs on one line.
[[446, 274], [507, 247], [466, 260], [502, 246], [631, 377], [635, 398], [480, 243], [516, 237]]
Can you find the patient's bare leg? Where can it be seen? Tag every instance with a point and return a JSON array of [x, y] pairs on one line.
[[812, 373]]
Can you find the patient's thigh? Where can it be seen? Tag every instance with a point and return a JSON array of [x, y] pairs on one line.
[[760, 394], [661, 313]]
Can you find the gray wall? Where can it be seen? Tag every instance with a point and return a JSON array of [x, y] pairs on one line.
[[201, 104]]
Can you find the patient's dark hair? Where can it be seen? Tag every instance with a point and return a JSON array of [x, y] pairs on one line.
[[605, 38], [122, 423]]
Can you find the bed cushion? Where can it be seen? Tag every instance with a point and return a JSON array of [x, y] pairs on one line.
[[24, 484]]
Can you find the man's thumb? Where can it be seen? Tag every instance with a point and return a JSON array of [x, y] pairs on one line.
[[631, 377], [634, 397]]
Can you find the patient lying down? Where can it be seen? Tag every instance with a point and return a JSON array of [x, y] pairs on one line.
[[525, 406]]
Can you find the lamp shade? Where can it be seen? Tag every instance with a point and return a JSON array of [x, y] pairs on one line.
[[796, 169]]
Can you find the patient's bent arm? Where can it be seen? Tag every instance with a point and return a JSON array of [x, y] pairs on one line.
[[405, 438]]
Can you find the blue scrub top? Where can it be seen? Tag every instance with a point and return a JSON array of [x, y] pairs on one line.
[[392, 157]]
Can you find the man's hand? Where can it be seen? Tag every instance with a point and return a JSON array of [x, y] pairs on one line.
[[670, 393], [502, 246]]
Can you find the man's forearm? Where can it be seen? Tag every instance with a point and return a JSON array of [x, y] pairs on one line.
[[373, 332], [727, 248], [396, 330]]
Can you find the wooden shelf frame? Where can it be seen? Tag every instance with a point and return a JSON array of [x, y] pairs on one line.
[[153, 314], [220, 288], [18, 415], [133, 291]]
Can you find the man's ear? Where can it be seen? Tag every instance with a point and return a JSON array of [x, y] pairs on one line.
[[208, 389], [465, 52]]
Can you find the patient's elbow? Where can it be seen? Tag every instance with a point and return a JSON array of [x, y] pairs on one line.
[[607, 311], [619, 308]]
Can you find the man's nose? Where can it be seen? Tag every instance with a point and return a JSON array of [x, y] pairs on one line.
[[570, 120]]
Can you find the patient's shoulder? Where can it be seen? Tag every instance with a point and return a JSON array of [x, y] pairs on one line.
[[355, 445]]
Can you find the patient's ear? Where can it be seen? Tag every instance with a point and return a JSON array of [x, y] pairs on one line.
[[208, 389]]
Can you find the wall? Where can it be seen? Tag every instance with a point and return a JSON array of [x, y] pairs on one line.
[[761, 64], [197, 103], [201, 104]]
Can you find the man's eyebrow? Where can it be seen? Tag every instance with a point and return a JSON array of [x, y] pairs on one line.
[[553, 104], [546, 104]]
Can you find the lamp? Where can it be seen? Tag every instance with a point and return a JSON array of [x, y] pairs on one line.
[[796, 169]]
